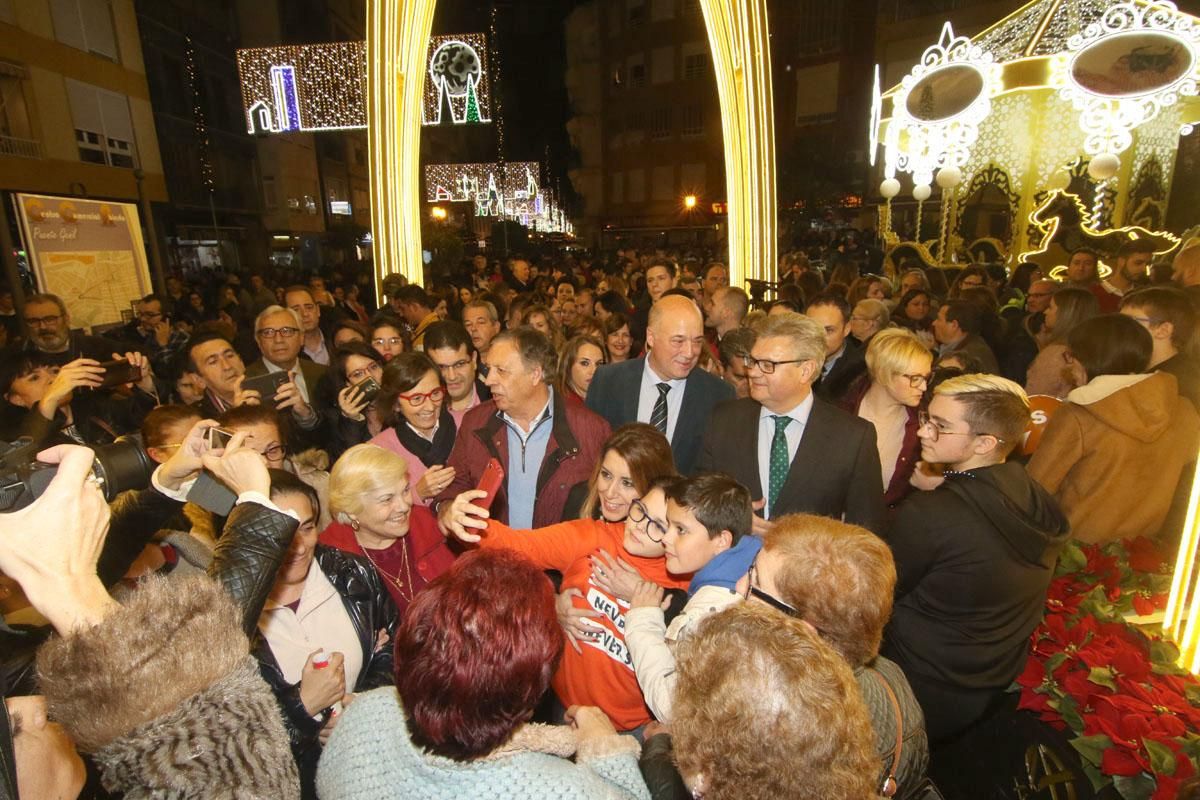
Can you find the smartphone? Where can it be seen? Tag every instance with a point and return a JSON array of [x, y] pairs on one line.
[[218, 438], [490, 482], [369, 387], [266, 386], [212, 495], [119, 372]]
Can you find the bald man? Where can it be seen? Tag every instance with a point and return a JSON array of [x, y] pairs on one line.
[[664, 388]]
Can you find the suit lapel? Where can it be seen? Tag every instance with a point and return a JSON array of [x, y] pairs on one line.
[[814, 448], [629, 388], [749, 451], [689, 407]]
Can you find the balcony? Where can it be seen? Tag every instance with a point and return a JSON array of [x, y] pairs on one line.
[[22, 148]]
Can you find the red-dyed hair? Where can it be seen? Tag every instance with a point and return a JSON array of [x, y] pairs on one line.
[[475, 653]]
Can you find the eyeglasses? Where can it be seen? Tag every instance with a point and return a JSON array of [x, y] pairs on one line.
[[271, 333], [1149, 322], [274, 452], [457, 366], [916, 381], [394, 341], [924, 420], [149, 314], [766, 366], [419, 398], [764, 597], [638, 514], [362, 372], [36, 322]]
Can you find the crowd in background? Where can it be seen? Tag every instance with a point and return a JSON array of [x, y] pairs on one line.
[[573, 525]]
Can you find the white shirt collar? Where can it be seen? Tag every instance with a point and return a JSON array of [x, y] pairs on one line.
[[655, 378], [800, 413]]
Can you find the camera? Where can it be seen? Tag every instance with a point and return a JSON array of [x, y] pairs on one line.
[[119, 466]]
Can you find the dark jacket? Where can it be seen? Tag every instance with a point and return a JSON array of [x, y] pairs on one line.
[[614, 395], [371, 610], [973, 558], [851, 364], [576, 444], [313, 434], [910, 449], [835, 472], [1187, 374]]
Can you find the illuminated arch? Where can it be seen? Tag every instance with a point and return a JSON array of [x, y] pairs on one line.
[[397, 45]]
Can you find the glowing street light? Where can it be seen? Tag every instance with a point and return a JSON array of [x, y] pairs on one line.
[[689, 202], [438, 213]]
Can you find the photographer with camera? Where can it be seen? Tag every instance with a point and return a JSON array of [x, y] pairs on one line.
[[164, 665], [152, 333]]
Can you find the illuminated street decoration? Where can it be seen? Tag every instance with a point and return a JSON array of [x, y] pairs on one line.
[[510, 191], [1125, 68], [739, 40], [938, 108], [457, 87], [314, 87]]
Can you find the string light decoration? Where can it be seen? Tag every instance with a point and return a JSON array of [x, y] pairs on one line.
[[457, 86], [484, 186], [311, 87], [199, 121], [740, 43]]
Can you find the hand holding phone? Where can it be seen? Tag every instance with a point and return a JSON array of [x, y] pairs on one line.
[[266, 386], [119, 372], [490, 481]]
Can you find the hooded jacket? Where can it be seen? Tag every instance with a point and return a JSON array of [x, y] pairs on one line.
[[1114, 454], [973, 560]]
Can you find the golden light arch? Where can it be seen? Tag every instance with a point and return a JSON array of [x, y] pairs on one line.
[[397, 40]]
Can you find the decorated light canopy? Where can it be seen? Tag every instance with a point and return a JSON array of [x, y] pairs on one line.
[[510, 191], [1081, 96]]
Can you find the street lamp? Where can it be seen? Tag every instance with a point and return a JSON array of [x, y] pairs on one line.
[[438, 213], [689, 202]]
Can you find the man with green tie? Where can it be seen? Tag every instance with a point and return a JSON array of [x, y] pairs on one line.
[[793, 451]]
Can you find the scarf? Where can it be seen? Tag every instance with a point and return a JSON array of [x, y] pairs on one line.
[[430, 453]]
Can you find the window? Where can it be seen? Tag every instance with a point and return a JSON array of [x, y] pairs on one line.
[[617, 194], [16, 130], [362, 200], [816, 94], [693, 120], [691, 8], [86, 25], [635, 186], [663, 182], [270, 195], [103, 126], [636, 122], [822, 31], [637, 72], [662, 9], [637, 13], [695, 66], [693, 178], [660, 123], [662, 65]]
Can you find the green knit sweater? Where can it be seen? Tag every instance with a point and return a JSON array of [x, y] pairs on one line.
[[370, 756]]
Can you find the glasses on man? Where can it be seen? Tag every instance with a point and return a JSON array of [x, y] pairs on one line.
[[37, 322], [919, 381], [149, 314], [418, 398], [274, 452], [356, 376], [937, 431], [394, 341], [457, 366], [283, 333], [638, 514], [765, 365]]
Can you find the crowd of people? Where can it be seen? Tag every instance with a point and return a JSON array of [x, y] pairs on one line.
[[566, 527]]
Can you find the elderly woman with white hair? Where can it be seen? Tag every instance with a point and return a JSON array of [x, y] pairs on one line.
[[868, 318], [888, 396], [370, 497]]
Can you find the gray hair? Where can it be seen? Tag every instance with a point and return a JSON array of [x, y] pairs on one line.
[[269, 310], [808, 338], [535, 349]]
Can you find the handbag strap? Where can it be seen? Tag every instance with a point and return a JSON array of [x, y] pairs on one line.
[[890, 787]]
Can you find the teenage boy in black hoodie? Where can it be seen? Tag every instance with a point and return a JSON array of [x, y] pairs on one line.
[[974, 556]]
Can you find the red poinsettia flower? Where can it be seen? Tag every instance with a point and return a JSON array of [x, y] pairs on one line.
[[1145, 603], [1057, 634], [1104, 567], [1116, 654], [1083, 691], [1145, 556], [1162, 697], [1065, 594], [1127, 722]]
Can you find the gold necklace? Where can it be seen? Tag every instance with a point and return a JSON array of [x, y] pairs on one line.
[[395, 579]]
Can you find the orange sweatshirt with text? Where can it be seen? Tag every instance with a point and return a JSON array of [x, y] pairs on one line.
[[602, 675]]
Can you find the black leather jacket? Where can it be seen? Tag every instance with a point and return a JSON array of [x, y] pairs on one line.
[[371, 609]]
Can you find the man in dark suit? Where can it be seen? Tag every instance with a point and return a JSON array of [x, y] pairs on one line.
[[664, 388], [845, 358], [793, 451], [278, 332]]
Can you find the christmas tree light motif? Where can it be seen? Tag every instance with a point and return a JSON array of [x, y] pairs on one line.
[[472, 113]]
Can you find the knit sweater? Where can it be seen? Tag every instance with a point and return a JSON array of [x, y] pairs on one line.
[[369, 757]]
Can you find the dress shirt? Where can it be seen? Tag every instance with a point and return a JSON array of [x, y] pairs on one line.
[[648, 396], [526, 452], [319, 354], [766, 433], [831, 360]]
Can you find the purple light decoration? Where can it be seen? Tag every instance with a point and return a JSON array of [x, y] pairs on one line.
[[287, 104]]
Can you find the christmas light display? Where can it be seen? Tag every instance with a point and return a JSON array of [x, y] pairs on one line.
[[457, 86], [509, 191], [312, 87]]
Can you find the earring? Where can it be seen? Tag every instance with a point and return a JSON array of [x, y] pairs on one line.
[[353, 523]]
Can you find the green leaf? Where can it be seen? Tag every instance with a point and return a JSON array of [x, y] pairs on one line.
[[1071, 559], [1055, 661], [1102, 676], [1192, 692], [1190, 744], [1098, 779], [1092, 747], [1163, 652], [1137, 787], [1068, 710], [1162, 758]]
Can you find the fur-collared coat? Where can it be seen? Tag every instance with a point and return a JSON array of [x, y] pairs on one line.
[[167, 699]]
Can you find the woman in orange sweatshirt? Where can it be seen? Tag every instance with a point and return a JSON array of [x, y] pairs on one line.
[[601, 672]]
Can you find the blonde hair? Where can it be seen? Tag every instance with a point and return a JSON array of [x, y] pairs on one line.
[[361, 469], [890, 351], [992, 406], [808, 338], [840, 578], [802, 730]]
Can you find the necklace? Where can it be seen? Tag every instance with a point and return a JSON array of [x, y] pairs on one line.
[[396, 580]]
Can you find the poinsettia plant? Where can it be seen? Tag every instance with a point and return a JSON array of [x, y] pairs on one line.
[[1134, 715]]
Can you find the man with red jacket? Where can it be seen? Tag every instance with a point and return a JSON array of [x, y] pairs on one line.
[[545, 445]]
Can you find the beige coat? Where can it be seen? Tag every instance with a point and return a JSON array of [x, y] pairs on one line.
[[1114, 453]]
